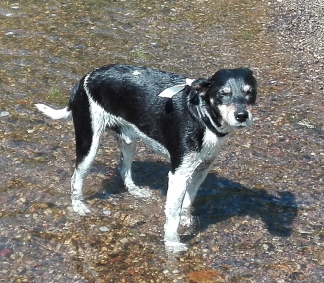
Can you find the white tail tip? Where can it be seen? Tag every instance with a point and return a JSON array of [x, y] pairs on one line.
[[54, 113]]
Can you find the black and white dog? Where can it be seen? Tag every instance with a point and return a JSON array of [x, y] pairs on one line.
[[187, 121]]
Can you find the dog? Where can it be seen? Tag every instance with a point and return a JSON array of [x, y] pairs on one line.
[[187, 121]]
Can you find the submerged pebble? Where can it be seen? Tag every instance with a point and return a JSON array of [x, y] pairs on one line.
[[6, 253], [4, 114], [106, 212], [104, 229]]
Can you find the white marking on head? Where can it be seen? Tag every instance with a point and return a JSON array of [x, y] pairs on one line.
[[246, 88], [227, 89]]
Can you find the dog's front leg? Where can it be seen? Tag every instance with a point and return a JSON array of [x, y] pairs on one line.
[[192, 188], [175, 195]]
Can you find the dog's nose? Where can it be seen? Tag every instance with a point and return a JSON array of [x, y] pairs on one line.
[[241, 116]]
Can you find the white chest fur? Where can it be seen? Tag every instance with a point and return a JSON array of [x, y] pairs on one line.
[[211, 146]]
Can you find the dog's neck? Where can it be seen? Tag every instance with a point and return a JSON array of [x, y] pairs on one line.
[[198, 108]]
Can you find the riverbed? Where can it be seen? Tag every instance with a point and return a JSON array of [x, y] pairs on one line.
[[259, 213]]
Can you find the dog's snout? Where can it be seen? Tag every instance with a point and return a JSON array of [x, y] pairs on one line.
[[241, 116]]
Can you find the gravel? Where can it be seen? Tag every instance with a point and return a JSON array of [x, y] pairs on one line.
[[299, 26], [260, 211]]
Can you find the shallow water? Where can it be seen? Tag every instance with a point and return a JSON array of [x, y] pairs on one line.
[[259, 212]]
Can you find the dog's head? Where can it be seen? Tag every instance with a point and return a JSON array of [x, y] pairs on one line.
[[229, 95]]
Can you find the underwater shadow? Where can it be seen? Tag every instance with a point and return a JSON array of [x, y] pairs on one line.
[[220, 199], [217, 200], [152, 174]]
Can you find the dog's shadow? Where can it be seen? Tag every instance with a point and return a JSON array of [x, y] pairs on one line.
[[219, 198]]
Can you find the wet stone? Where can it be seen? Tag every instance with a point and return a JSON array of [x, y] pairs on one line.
[[104, 229], [4, 113], [106, 212], [6, 253]]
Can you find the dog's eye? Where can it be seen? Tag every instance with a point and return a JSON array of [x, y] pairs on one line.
[[226, 91]]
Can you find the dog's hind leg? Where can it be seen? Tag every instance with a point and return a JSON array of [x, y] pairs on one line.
[[127, 152], [87, 132]]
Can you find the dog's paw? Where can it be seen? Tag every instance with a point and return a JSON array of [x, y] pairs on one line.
[[175, 247], [142, 192], [80, 208]]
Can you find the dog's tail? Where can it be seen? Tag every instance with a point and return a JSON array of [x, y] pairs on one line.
[[64, 113], [54, 113]]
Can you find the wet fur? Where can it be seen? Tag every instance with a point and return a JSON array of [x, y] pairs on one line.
[[189, 129]]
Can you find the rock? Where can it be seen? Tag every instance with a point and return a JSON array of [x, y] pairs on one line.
[[6, 253], [104, 229], [206, 276], [5, 113], [106, 212]]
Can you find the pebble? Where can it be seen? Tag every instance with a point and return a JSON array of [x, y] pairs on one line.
[[106, 212], [124, 241], [165, 271], [4, 114], [48, 212], [304, 232], [6, 253], [266, 247], [104, 229]]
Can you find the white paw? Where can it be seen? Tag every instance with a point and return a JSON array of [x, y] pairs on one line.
[[80, 208], [175, 247], [142, 192]]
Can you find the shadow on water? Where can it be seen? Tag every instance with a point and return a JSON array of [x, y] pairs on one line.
[[221, 199], [218, 199], [152, 174]]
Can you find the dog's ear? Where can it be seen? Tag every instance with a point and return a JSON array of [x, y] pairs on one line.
[[200, 87]]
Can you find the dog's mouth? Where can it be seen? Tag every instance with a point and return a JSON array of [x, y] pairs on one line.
[[244, 124], [239, 125]]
